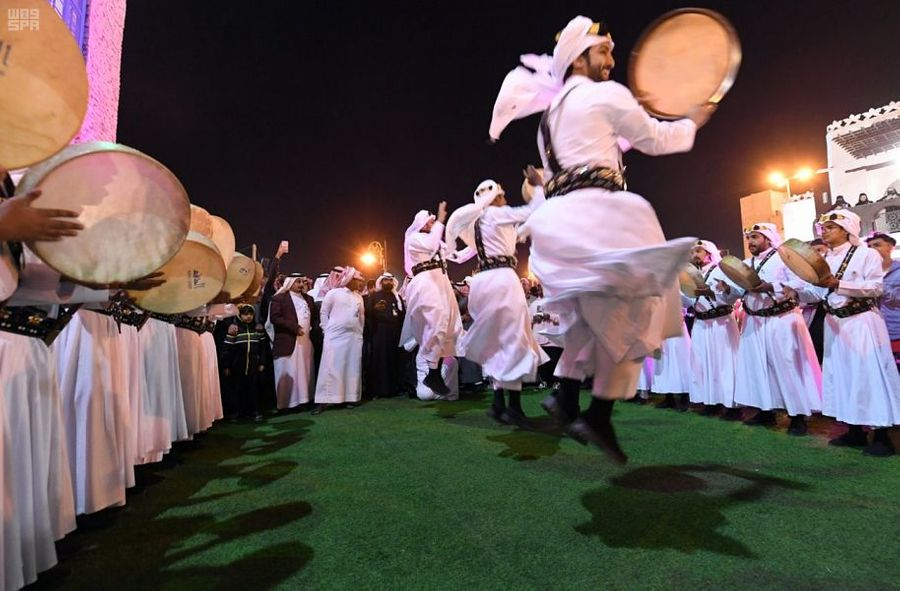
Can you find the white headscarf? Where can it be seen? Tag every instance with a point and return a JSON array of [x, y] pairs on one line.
[[395, 293], [462, 223], [714, 256], [288, 282], [531, 87], [332, 281], [348, 275], [422, 218], [845, 219], [768, 230]]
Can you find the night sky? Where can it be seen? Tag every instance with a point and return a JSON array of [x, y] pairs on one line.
[[331, 123]]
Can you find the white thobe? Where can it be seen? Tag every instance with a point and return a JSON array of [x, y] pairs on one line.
[[91, 364], [501, 338], [164, 421], [340, 373], [192, 374], [672, 371], [861, 384], [432, 314], [600, 255], [294, 374], [777, 366], [714, 344]]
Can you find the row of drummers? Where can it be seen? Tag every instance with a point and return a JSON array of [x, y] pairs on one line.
[[106, 350], [771, 363]]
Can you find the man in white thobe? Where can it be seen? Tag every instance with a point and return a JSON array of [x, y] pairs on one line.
[[599, 251], [500, 338], [342, 320], [861, 383], [715, 336], [777, 366]]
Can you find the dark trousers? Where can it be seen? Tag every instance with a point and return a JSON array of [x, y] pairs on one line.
[[546, 370], [242, 398]]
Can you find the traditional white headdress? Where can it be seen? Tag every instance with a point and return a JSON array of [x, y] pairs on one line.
[[531, 87], [768, 230], [712, 249], [845, 219], [419, 221], [462, 222]]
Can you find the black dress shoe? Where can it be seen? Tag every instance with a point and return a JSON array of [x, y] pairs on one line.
[[732, 414], [683, 404], [764, 418], [798, 427], [668, 402], [879, 449], [436, 383], [709, 410], [511, 416], [553, 407], [317, 410], [850, 439], [603, 436], [497, 414]]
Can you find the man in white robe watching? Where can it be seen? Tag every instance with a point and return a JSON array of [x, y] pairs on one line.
[[293, 321], [342, 319]]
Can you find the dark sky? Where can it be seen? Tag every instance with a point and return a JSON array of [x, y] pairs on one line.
[[331, 123]]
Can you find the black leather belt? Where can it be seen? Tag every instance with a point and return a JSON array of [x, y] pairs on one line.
[[776, 310], [717, 312], [856, 306], [34, 322], [497, 262], [428, 266], [197, 324], [582, 177]]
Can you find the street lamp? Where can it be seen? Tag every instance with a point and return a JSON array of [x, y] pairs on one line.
[[376, 252], [777, 179]]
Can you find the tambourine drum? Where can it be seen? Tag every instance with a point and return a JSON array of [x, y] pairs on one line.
[[223, 236], [9, 274], [528, 190], [804, 261], [193, 277], [201, 221], [738, 271], [241, 273], [134, 211], [690, 279], [43, 83], [685, 58], [255, 285]]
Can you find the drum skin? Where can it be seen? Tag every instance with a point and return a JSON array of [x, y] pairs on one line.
[[240, 276], [193, 277], [223, 236], [738, 271], [135, 212], [690, 280], [804, 261], [201, 221], [43, 84], [685, 58]]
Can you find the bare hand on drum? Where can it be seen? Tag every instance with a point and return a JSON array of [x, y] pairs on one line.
[[533, 176], [442, 212], [831, 283], [723, 287], [21, 221], [790, 294], [700, 114], [764, 287], [705, 292]]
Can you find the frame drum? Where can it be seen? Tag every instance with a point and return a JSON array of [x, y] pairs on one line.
[[193, 277], [43, 83], [201, 221], [804, 261], [738, 271], [241, 273], [134, 210], [686, 57], [256, 284], [691, 281], [223, 236]]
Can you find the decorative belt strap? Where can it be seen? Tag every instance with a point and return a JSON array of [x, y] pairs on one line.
[[485, 262], [498, 262], [197, 324], [584, 176], [856, 306], [717, 312], [428, 266], [34, 322], [167, 318], [776, 310], [124, 312]]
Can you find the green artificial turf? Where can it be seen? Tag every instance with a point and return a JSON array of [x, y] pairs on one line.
[[401, 494]]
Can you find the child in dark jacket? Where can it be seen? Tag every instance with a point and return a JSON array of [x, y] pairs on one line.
[[244, 362]]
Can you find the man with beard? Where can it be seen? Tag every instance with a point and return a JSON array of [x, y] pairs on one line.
[[295, 328], [598, 250], [777, 366], [385, 311], [715, 338]]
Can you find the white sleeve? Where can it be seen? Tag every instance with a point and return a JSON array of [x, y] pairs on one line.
[[517, 215], [325, 312], [643, 132], [871, 281], [39, 284]]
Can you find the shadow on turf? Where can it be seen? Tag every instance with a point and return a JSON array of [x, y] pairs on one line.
[[675, 507], [136, 547]]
